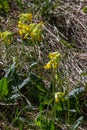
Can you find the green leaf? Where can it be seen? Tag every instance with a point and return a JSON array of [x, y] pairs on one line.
[[38, 81], [11, 70], [34, 64], [25, 82], [52, 127], [77, 123], [3, 87]]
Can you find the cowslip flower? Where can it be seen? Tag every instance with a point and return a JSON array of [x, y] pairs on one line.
[[36, 34], [30, 29], [54, 61], [20, 24], [51, 64], [59, 97], [25, 17], [6, 36], [53, 55], [48, 65], [25, 29]]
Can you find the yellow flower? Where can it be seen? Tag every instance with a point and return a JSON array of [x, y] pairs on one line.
[[21, 32], [25, 29], [59, 97], [54, 54], [53, 63], [20, 24], [33, 30], [37, 32], [31, 27], [25, 17], [48, 65], [6, 36]]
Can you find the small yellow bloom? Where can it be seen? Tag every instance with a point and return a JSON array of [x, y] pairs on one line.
[[21, 32], [25, 17], [20, 24], [31, 27], [48, 65], [25, 29], [37, 32], [54, 54], [29, 30], [59, 97], [51, 64], [6, 36], [54, 61]]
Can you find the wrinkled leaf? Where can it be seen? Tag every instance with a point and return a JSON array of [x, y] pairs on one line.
[[38, 81]]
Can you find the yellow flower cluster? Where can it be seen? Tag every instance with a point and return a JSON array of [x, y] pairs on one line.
[[54, 60], [25, 18], [27, 28], [6, 36], [59, 97], [36, 32]]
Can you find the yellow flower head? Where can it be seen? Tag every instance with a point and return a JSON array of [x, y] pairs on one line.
[[37, 32], [25, 17], [48, 65], [26, 29], [6, 36], [23, 28], [59, 97], [20, 24], [54, 61], [31, 27], [54, 54]]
